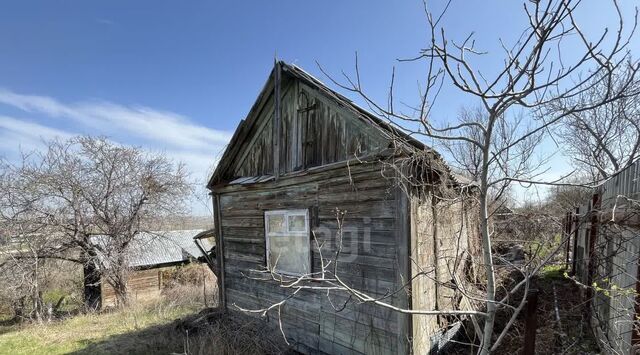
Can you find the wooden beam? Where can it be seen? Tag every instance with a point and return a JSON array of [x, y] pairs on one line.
[[593, 236], [530, 323], [576, 230], [277, 131], [403, 239], [219, 251]]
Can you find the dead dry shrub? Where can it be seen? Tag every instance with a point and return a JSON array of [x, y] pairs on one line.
[[191, 284], [54, 291], [562, 327], [189, 274], [214, 331]]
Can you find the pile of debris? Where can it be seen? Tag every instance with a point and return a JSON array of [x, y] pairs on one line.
[[509, 254]]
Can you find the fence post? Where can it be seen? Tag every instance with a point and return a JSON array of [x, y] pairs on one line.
[[567, 235], [575, 225], [531, 323], [594, 212]]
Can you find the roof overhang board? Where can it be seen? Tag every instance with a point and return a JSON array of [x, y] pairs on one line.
[[242, 132]]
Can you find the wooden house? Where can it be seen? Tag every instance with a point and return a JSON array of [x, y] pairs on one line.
[[303, 157], [150, 255]]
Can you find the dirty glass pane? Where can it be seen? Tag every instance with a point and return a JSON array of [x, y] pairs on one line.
[[275, 223], [297, 223], [289, 254]]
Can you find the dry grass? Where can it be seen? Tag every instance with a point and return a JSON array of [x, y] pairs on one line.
[[177, 324], [93, 333], [191, 284], [571, 335], [215, 332]]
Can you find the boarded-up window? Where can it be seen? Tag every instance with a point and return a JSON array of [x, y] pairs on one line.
[[287, 235]]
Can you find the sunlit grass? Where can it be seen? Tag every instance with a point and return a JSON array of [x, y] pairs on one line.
[[553, 271], [76, 333]]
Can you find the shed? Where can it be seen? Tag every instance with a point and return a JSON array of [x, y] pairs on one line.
[[149, 256], [306, 160]]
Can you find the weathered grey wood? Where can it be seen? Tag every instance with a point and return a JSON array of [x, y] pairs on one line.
[[277, 128], [403, 275], [220, 250], [371, 268], [277, 139], [323, 154]]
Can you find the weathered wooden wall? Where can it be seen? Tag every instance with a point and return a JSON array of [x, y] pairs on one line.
[[147, 285], [144, 285], [440, 233], [313, 132], [371, 259]]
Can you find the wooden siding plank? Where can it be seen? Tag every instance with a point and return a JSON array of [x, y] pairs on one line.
[[403, 237], [287, 138], [368, 261]]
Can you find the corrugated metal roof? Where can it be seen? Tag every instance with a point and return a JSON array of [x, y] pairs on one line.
[[161, 247]]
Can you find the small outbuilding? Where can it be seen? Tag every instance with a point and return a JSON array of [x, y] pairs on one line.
[[149, 256], [310, 178]]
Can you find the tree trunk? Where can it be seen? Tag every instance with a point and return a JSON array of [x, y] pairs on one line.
[[119, 280], [486, 250], [18, 309], [121, 291], [92, 289]]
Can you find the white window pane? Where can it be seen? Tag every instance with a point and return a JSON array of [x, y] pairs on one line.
[[289, 254], [297, 223], [275, 223]]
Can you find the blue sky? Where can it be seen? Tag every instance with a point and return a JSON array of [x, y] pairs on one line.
[[178, 76]]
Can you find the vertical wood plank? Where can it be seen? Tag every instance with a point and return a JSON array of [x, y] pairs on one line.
[[217, 220], [276, 122], [403, 238]]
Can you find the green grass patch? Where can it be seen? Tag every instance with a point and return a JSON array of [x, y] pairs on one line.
[[77, 333], [553, 272]]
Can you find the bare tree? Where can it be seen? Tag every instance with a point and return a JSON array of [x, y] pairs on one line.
[[605, 139], [89, 198], [22, 274], [463, 155], [536, 74], [466, 157], [561, 199]]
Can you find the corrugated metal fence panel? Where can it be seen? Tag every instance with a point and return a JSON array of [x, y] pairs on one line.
[[582, 254], [624, 276], [624, 184], [616, 257]]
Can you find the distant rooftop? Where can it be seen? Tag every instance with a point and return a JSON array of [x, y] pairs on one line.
[[162, 247]]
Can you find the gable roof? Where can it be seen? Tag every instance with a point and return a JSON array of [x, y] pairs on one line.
[[150, 249], [245, 126]]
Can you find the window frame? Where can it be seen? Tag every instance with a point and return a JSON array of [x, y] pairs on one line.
[[302, 234]]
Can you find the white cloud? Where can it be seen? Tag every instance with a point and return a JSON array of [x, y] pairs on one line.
[[30, 129], [174, 135], [139, 121], [18, 134]]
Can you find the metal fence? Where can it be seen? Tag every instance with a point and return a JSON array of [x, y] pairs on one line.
[[604, 248]]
